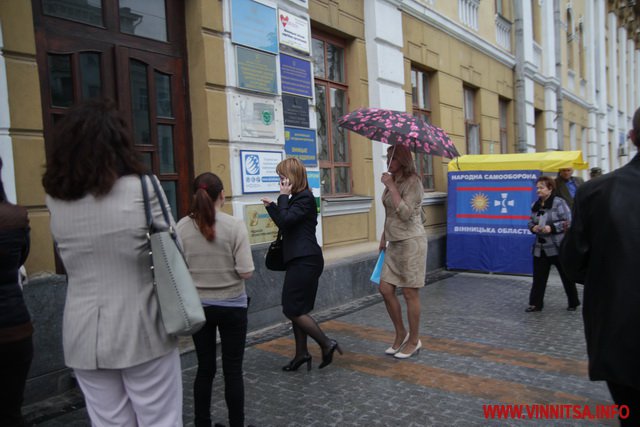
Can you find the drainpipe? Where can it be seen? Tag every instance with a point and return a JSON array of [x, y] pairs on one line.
[[520, 95], [559, 96]]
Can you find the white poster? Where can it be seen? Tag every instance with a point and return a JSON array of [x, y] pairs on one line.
[[259, 171], [294, 31], [255, 119]]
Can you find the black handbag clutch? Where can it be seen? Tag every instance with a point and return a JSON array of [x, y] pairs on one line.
[[274, 259]]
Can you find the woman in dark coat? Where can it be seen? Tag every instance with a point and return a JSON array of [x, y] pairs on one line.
[[296, 217], [16, 345], [550, 216]]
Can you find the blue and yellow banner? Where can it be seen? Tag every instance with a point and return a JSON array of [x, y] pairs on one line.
[[487, 218]]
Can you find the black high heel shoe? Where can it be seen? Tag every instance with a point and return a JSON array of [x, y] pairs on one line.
[[296, 363], [327, 357]]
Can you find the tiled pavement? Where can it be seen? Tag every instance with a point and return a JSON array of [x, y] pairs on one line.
[[480, 347]]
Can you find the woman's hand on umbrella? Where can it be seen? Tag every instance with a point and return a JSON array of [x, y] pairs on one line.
[[285, 186], [387, 180]]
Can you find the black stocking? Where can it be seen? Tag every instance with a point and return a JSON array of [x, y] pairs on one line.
[[304, 325], [301, 341]]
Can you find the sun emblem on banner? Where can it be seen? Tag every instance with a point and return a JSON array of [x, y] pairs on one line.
[[479, 202]]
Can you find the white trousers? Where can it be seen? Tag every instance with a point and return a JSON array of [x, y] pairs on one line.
[[146, 395]]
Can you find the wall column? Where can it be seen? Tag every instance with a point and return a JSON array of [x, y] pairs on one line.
[[525, 68], [385, 64], [6, 145]]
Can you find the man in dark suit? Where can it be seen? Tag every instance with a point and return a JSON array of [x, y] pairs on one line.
[[601, 250], [567, 184]]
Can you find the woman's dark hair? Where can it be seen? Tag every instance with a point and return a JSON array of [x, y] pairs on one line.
[[90, 150], [3, 195], [548, 182], [206, 190]]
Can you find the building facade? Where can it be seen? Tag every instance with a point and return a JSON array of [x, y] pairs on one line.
[[233, 86]]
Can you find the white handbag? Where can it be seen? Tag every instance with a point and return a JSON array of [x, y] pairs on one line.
[[180, 305]]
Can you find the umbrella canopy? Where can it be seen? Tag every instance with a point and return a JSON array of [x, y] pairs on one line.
[[399, 128]]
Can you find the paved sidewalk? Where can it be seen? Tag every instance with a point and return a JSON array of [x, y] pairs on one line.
[[480, 348]]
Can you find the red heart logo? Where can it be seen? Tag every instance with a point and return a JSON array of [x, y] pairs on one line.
[[284, 20]]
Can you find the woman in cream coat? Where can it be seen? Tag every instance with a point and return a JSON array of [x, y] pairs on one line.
[[126, 364], [405, 243]]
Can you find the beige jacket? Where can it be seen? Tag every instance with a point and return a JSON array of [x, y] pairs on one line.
[[215, 265], [111, 315], [405, 221]]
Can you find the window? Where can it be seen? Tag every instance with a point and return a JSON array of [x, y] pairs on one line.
[[535, 21], [570, 40], [331, 103], [121, 49], [504, 108], [89, 12], [472, 127], [144, 18], [581, 55], [421, 102]]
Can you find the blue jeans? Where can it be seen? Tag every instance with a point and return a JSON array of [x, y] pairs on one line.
[[232, 324]]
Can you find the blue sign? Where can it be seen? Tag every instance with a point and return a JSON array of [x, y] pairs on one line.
[[487, 218], [255, 25], [295, 74], [301, 143]]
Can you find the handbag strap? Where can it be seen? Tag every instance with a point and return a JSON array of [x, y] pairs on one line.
[[147, 204]]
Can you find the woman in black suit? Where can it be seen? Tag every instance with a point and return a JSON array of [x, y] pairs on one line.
[[295, 215]]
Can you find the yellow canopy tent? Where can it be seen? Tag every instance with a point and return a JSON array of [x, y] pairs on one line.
[[550, 161]]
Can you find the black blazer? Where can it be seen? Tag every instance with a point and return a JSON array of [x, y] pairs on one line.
[[297, 218], [601, 250]]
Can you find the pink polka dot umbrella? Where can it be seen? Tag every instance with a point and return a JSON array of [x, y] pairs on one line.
[[399, 128]]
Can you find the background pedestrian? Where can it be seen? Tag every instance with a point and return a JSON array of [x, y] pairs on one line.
[[550, 215], [217, 249], [127, 366], [405, 244], [601, 251], [295, 214], [567, 184], [16, 344], [595, 172]]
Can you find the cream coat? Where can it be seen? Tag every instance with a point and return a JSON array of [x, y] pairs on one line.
[[111, 318]]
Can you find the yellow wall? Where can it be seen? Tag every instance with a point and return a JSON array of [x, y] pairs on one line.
[[207, 82], [456, 64], [26, 128], [345, 19]]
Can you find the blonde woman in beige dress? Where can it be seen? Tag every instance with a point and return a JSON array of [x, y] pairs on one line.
[[405, 243]]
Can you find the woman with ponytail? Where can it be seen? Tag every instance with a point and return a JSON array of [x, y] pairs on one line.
[[216, 246]]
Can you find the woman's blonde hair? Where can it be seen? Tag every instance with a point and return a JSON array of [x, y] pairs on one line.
[[403, 155], [294, 170]]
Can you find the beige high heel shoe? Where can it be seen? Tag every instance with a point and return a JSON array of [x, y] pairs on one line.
[[400, 355], [391, 351]]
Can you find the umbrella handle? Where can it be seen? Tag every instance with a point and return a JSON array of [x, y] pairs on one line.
[[391, 158]]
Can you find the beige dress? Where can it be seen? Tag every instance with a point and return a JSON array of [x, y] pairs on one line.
[[405, 261]]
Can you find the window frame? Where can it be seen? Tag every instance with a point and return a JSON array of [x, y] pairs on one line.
[[422, 110], [503, 111], [471, 121], [324, 81]]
